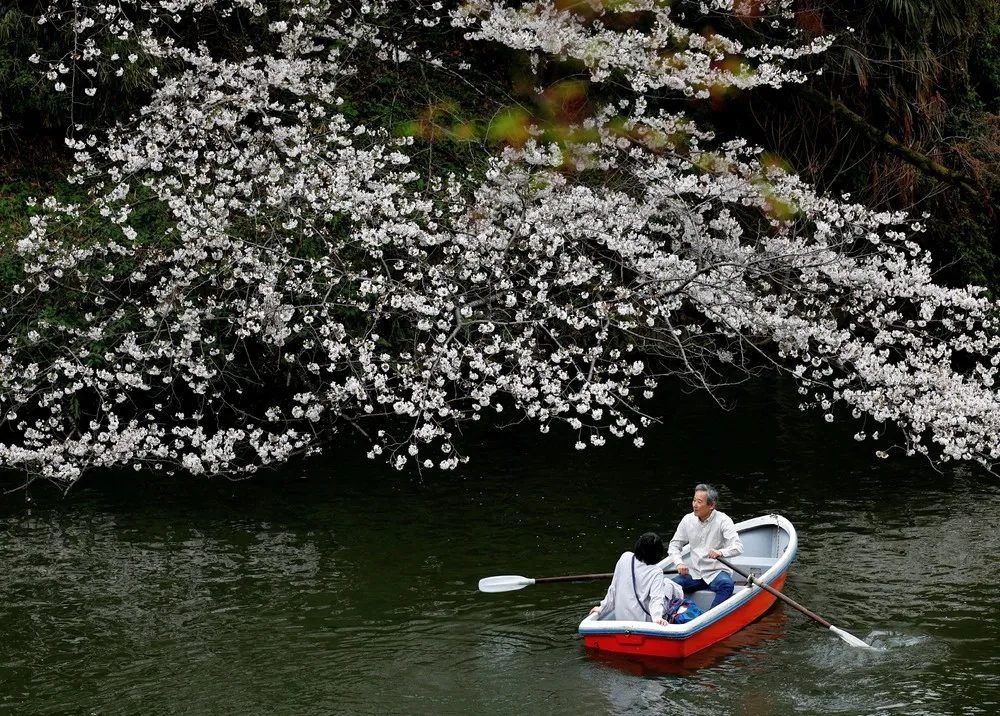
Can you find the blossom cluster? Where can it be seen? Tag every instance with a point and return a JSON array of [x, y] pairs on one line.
[[559, 281]]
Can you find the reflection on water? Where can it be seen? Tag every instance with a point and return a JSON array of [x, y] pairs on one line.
[[340, 587]]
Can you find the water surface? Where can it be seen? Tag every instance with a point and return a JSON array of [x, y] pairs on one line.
[[341, 586]]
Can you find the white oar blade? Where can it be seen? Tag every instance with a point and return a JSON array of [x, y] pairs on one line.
[[850, 638], [504, 583]]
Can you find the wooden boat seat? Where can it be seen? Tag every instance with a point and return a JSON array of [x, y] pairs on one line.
[[754, 563], [704, 597]]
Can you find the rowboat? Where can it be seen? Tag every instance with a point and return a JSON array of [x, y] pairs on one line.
[[769, 545]]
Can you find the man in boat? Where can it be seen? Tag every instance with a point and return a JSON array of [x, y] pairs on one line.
[[638, 590], [711, 534]]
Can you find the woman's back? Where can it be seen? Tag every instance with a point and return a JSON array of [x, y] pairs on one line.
[[638, 600]]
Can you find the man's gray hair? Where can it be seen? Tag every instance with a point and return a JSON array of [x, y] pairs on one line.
[[711, 494]]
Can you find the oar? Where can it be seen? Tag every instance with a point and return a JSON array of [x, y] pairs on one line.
[[510, 582], [849, 638]]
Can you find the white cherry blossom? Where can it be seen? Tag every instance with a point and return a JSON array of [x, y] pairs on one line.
[[308, 273]]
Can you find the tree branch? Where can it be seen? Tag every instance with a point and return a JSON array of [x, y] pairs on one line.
[[968, 185]]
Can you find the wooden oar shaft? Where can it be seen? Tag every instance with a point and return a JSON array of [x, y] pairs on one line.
[[768, 588], [574, 578], [509, 583], [586, 577]]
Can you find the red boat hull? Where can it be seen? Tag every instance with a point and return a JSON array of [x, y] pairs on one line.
[[678, 648]]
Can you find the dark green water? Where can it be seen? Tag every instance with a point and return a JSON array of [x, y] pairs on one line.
[[344, 587]]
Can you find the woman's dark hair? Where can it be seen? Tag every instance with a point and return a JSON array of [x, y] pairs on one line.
[[649, 548]]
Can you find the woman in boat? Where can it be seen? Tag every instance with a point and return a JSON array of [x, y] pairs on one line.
[[638, 591]]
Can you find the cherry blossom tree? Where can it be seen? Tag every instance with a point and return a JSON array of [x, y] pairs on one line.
[[254, 268]]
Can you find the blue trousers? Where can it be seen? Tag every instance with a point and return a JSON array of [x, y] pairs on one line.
[[722, 585]]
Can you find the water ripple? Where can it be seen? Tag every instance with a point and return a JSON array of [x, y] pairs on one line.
[[356, 594]]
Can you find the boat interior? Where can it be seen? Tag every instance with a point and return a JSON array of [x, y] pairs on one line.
[[754, 565], [762, 547]]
